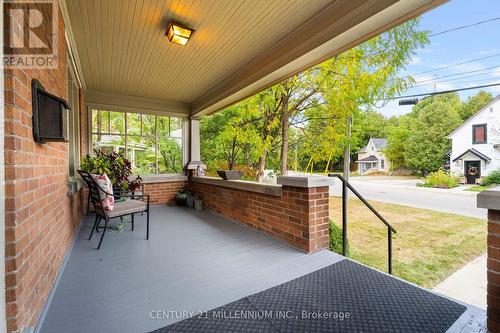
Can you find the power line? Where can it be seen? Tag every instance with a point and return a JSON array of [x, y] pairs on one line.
[[480, 80], [454, 65], [464, 26], [454, 79], [457, 74], [443, 92]]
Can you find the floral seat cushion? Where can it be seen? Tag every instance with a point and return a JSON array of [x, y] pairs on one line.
[[107, 200]]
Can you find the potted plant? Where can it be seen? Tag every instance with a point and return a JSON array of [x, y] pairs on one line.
[[230, 174], [181, 197], [116, 166]]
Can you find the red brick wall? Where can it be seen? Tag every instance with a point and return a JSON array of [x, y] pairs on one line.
[[163, 193], [299, 217], [41, 220], [493, 298]]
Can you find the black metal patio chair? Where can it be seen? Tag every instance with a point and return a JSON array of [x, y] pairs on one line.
[[133, 204]]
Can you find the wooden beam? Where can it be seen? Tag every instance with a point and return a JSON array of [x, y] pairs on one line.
[[338, 27], [113, 102]]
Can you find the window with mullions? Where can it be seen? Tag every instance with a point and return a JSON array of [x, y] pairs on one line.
[[152, 143]]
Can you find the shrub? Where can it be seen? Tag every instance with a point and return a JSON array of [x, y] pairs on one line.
[[376, 173], [492, 178], [440, 179], [336, 239]]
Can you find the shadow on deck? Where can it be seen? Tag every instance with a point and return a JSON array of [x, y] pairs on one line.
[[194, 261]]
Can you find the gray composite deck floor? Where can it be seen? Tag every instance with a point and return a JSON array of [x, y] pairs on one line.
[[194, 261]]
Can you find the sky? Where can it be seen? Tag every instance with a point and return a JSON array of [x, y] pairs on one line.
[[455, 47]]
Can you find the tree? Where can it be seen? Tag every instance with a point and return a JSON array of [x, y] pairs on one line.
[[355, 82], [171, 155], [474, 104], [297, 94], [430, 123], [366, 125], [397, 135], [262, 112], [228, 137]]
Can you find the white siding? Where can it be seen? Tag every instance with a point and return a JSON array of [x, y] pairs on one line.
[[372, 150], [462, 140]]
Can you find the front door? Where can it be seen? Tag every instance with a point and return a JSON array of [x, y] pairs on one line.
[[472, 171]]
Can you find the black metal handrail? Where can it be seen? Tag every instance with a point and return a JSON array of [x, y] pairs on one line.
[[390, 229]]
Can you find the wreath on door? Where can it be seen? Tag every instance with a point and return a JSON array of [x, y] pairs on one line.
[[473, 171]]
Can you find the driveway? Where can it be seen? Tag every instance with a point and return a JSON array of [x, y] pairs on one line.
[[403, 190]]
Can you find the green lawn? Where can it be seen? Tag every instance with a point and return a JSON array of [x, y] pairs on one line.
[[478, 188], [427, 248]]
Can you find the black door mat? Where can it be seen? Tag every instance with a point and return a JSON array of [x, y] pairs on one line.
[[343, 297]]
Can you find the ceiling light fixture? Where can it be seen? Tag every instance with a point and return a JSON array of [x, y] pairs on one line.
[[178, 34]]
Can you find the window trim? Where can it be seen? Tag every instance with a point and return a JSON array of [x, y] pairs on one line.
[[74, 147], [474, 142], [90, 108]]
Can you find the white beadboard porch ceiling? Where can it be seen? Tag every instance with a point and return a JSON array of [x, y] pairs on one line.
[[122, 48]]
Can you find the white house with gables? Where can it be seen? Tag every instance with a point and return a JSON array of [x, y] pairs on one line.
[[476, 144], [371, 157]]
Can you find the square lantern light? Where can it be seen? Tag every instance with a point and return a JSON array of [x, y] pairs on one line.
[[178, 34]]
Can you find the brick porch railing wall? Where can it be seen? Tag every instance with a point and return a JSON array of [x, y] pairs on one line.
[[299, 216], [162, 191], [491, 201], [41, 220]]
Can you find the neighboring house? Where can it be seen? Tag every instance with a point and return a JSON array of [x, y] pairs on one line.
[[475, 148], [372, 158]]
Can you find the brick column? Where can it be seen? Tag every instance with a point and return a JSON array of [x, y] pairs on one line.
[[491, 200], [312, 195]]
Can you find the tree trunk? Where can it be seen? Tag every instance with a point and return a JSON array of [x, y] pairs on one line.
[[174, 165], [165, 160], [285, 124], [261, 166]]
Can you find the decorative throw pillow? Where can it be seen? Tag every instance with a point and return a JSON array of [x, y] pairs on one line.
[[107, 201]]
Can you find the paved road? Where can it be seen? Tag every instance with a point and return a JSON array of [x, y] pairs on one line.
[[404, 191]]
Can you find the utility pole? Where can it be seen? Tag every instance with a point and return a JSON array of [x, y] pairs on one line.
[[347, 149]]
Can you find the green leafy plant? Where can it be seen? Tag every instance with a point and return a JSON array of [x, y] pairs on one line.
[[115, 165], [440, 179], [492, 178], [98, 164], [336, 238]]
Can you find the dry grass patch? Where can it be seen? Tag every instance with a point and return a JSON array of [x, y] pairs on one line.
[[428, 247]]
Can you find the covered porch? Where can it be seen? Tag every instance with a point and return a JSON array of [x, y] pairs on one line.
[[368, 164], [119, 62], [196, 261]]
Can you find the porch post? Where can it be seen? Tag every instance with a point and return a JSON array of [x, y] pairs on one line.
[[194, 146], [491, 200], [3, 314]]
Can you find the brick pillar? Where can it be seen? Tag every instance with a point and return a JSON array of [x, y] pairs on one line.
[[312, 194], [491, 200]]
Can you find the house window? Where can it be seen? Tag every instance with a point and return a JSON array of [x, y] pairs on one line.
[[152, 143], [479, 134], [382, 164], [73, 124]]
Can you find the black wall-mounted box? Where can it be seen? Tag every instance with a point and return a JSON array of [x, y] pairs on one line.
[[50, 115]]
